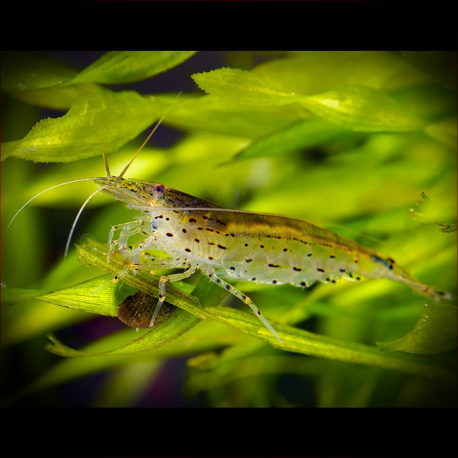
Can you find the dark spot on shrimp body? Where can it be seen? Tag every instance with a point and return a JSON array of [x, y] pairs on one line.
[[386, 262]]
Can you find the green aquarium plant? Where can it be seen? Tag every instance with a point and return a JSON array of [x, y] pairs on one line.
[[361, 143]]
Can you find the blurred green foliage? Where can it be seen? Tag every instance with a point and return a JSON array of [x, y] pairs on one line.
[[346, 140]]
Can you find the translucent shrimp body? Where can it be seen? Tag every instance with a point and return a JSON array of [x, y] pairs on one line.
[[240, 246]]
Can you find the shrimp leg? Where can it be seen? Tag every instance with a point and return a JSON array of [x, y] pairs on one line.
[[219, 281], [127, 230], [162, 282]]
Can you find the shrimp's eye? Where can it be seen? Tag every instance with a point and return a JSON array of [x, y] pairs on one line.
[[159, 189]]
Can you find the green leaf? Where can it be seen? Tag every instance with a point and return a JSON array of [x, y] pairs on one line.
[[179, 323], [25, 71], [98, 295], [303, 134], [356, 108], [444, 131], [116, 67], [58, 97], [11, 296], [320, 71], [242, 86], [439, 65], [361, 109], [121, 116], [8, 148], [223, 115], [299, 341], [434, 332], [432, 103]]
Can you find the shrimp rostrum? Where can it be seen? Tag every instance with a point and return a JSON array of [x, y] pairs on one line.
[[233, 245]]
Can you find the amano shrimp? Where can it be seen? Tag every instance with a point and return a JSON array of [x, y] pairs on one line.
[[233, 245]]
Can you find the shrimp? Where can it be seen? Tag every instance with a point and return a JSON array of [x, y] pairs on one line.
[[234, 245]]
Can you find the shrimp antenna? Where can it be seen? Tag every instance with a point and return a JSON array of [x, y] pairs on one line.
[[42, 192], [146, 141], [105, 158], [67, 246]]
